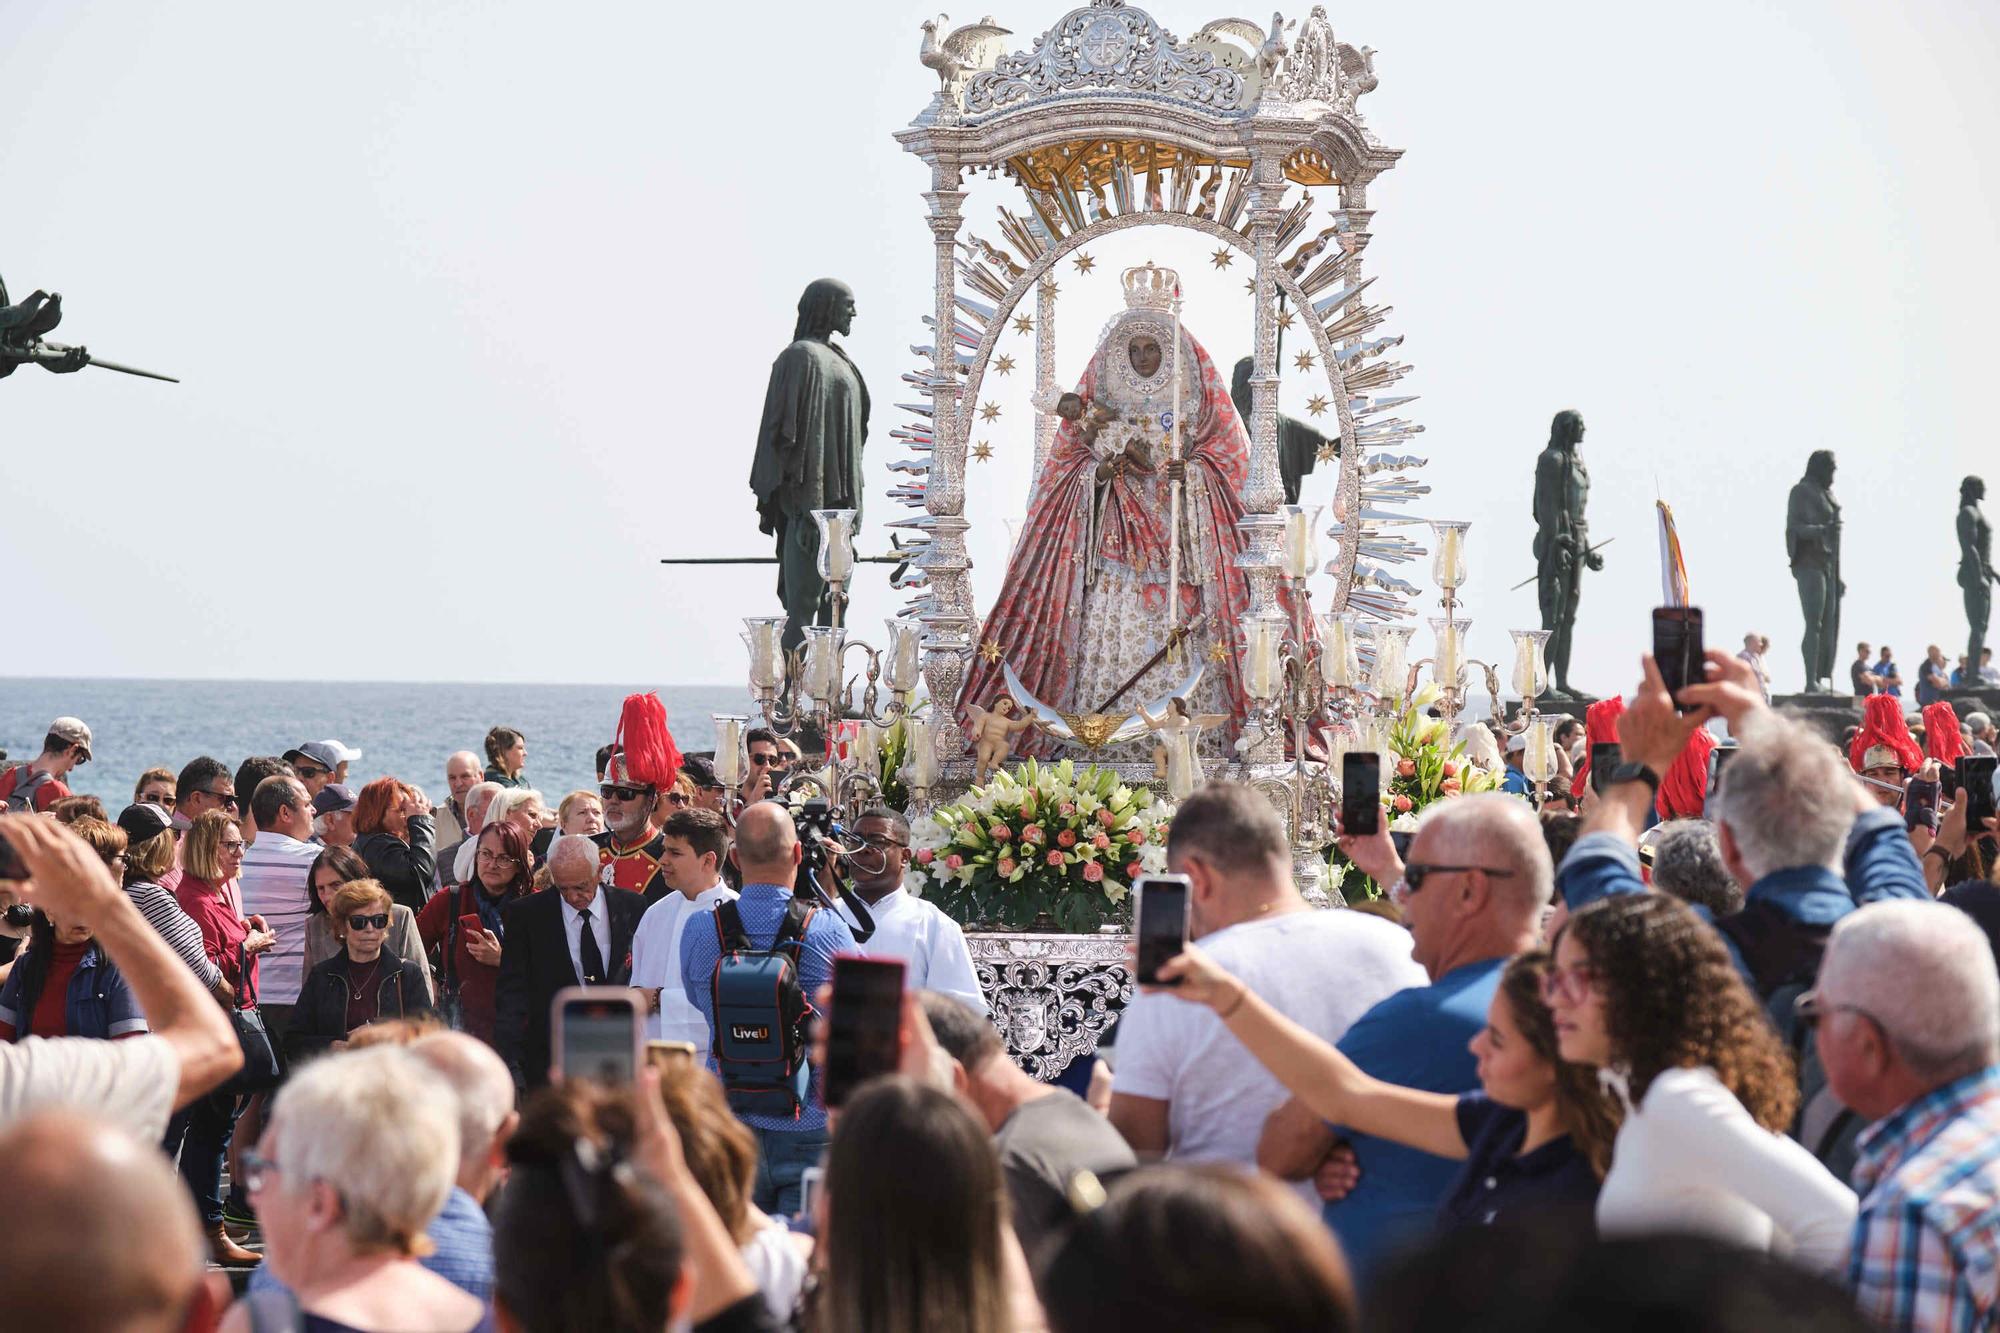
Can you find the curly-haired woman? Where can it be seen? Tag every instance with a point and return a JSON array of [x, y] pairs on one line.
[[1645, 990], [1536, 1137]]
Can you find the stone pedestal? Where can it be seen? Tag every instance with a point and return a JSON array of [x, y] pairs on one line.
[[1558, 706], [1829, 714]]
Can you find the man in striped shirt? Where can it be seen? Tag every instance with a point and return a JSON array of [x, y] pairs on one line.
[[1908, 1012]]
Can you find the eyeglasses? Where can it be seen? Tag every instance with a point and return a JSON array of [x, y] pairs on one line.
[[254, 1168], [494, 858], [1571, 985], [880, 842], [1416, 872], [613, 792], [376, 921], [233, 848], [1810, 1008]]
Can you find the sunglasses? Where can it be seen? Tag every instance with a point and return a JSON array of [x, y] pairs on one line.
[[377, 921], [164, 802], [612, 792], [676, 798], [308, 772], [228, 800], [1416, 872]]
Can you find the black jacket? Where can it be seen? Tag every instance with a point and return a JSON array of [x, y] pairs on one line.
[[320, 1017], [408, 870], [535, 964]]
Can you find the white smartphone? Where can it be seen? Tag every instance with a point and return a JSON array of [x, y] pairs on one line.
[[598, 1033]]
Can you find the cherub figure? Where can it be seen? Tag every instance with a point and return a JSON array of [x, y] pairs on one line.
[[1175, 757], [992, 734]]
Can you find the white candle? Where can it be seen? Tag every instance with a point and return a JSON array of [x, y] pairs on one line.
[[866, 748], [1340, 658], [1530, 675], [1391, 677], [1448, 565], [1538, 762], [1448, 661], [920, 768], [1260, 667], [729, 748], [764, 635], [836, 543], [905, 637], [822, 672], [1301, 547]]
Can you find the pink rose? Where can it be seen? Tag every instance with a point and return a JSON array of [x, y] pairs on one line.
[[1005, 866], [1406, 768], [1066, 838], [1001, 833], [1133, 870], [1055, 858], [925, 856], [1137, 837], [1402, 803], [1449, 786], [1450, 769], [1101, 842], [1032, 833], [1068, 808], [954, 862], [1106, 817], [1092, 872]]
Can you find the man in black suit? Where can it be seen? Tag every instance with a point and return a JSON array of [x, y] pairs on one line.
[[579, 934]]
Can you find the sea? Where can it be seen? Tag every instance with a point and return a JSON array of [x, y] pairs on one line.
[[402, 730]]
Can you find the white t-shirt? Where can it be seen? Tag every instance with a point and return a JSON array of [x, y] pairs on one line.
[[1321, 969], [273, 880], [1690, 1158], [778, 1263], [929, 943], [129, 1083], [656, 961]]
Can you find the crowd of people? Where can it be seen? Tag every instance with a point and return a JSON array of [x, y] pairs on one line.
[[1734, 1017]]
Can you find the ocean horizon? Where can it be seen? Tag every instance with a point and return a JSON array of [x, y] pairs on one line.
[[402, 728]]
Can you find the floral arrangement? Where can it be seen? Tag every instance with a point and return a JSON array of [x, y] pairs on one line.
[[1423, 764], [1044, 841]]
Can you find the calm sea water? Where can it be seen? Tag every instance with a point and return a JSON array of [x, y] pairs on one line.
[[404, 730]]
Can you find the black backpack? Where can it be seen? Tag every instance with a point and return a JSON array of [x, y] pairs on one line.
[[759, 1033], [1783, 955]]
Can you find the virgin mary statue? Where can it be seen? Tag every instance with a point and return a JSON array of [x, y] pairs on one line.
[[1084, 605]]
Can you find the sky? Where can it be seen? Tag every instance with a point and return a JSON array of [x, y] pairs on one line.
[[474, 304]]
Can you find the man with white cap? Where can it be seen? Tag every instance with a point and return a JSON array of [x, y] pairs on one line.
[[38, 785], [1516, 780]]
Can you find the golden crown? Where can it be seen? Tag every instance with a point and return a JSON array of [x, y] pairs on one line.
[[1149, 287]]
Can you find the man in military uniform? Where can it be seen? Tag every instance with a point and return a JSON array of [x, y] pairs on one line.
[[1975, 566], [1812, 541], [1562, 539]]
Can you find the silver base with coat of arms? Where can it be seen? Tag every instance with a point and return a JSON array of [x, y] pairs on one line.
[[1051, 996]]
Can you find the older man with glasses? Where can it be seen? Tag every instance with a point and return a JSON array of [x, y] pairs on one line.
[[1472, 894]]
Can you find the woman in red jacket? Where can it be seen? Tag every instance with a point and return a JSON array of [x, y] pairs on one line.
[[464, 924]]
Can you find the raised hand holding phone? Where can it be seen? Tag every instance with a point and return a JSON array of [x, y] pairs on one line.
[[1161, 924]]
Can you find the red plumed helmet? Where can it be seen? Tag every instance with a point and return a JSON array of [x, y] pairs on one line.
[[1882, 724], [1684, 786], [646, 750], [1600, 727], [1942, 739]]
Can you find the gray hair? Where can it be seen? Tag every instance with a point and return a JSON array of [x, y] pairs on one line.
[[1231, 827], [1979, 722], [572, 847], [1491, 827], [1925, 973], [478, 1079], [381, 1128], [1786, 799], [1687, 862], [478, 800], [510, 799]]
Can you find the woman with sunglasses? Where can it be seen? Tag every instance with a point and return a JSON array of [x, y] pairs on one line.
[[364, 982], [1645, 990], [1536, 1137], [211, 858], [331, 870], [465, 925]]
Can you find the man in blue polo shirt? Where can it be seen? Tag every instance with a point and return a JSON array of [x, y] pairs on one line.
[[1472, 894], [768, 853]]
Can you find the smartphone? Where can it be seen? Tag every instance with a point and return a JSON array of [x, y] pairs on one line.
[[1975, 784], [1948, 781], [1162, 923], [669, 1054], [864, 1032], [1677, 647], [1361, 793], [598, 1033], [470, 924], [810, 1180], [1604, 758]]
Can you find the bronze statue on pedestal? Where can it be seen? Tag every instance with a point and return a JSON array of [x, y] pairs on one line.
[[1975, 568], [1562, 540], [1812, 541]]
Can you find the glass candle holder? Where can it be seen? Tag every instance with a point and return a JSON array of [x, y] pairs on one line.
[[1263, 640], [1339, 654], [1448, 656], [836, 544], [865, 749], [765, 636], [822, 670], [920, 766], [901, 672], [1390, 677], [1448, 561], [729, 748], [1300, 552], [1531, 671], [1538, 761]]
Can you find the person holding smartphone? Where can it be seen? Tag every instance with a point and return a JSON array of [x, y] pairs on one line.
[[467, 926]]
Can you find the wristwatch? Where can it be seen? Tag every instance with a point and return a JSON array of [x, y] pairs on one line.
[[1632, 771]]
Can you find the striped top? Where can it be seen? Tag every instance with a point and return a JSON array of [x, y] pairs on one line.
[[1927, 1241], [163, 913]]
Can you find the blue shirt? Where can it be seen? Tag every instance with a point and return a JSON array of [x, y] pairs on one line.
[[762, 907], [1886, 670], [1500, 1184], [99, 1002], [1517, 783], [1417, 1038], [461, 1254]]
